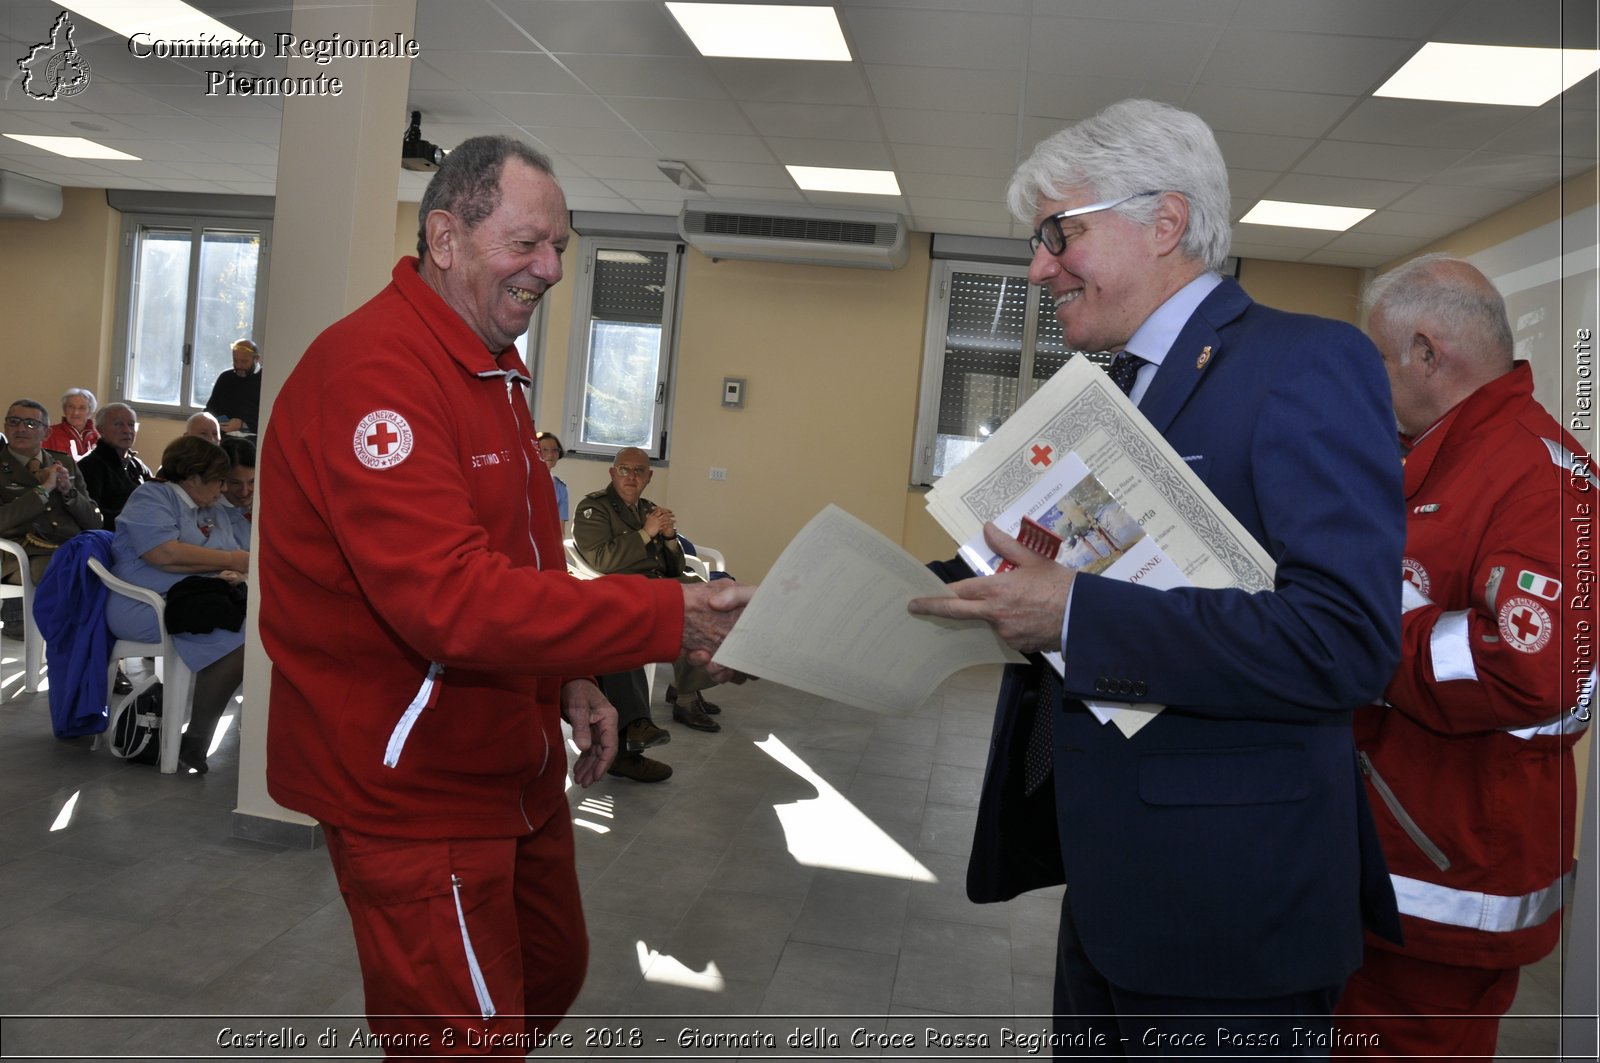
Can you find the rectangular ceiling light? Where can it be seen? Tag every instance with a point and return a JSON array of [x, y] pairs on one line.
[[74, 147], [760, 31], [1483, 73], [834, 179], [1303, 215], [160, 20]]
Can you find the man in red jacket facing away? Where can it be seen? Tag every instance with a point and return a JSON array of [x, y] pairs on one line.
[[1469, 761], [425, 637]]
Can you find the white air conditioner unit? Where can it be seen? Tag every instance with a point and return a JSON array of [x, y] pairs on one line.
[[813, 236], [28, 197]]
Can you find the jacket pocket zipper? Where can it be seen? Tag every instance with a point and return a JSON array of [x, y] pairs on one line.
[[1407, 824], [427, 696]]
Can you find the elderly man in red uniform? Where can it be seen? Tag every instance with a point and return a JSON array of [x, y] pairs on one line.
[[425, 637], [1469, 761]]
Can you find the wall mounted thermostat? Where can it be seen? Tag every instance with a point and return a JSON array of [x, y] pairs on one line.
[[733, 391]]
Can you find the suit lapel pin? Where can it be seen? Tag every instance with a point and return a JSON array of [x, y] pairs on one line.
[[1205, 356]]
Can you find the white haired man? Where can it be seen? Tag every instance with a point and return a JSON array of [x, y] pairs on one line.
[[1222, 861]]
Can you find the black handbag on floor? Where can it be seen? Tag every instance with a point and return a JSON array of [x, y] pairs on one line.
[[136, 733]]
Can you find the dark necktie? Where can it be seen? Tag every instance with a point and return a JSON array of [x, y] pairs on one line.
[[1039, 755], [1124, 370]]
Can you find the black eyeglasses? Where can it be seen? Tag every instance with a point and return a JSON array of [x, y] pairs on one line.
[[24, 422], [1054, 240]]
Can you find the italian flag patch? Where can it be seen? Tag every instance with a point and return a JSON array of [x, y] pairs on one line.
[[1542, 586]]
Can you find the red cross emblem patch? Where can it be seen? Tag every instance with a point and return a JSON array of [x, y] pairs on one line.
[[1412, 572], [382, 439], [1524, 624]]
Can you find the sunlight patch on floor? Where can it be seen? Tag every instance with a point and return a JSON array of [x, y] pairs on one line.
[[828, 831], [667, 970], [64, 817], [601, 807]]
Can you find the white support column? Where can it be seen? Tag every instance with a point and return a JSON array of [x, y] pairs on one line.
[[332, 250]]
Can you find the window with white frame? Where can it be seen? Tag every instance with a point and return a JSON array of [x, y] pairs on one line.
[[530, 345], [992, 339], [624, 346], [190, 287]]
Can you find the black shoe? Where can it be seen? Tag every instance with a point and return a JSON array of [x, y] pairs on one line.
[[642, 734], [689, 713], [123, 684], [193, 757], [11, 616], [705, 706]]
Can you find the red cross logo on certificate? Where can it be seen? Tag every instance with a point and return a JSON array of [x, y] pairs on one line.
[[1524, 624], [382, 440], [1041, 454]]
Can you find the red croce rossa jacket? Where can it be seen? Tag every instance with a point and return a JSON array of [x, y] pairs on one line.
[[1470, 766], [415, 599]]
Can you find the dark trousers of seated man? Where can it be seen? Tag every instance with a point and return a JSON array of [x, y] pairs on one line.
[[629, 694]]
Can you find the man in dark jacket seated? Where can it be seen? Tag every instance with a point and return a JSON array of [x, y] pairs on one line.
[[113, 468]]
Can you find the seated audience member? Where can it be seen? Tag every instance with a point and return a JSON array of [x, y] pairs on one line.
[[113, 468], [240, 487], [551, 450], [205, 426], [618, 530], [170, 529], [43, 500], [74, 434], [236, 396]]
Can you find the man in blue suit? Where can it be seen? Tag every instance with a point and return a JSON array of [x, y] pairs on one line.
[[1221, 863]]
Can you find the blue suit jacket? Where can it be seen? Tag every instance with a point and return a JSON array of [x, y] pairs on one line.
[[1226, 850]]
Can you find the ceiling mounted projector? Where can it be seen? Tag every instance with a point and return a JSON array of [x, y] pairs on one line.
[[416, 153]]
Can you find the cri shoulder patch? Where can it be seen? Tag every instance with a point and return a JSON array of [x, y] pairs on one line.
[[1524, 624], [382, 440]]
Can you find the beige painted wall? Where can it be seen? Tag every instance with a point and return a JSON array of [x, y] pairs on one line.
[[1573, 195], [831, 359], [58, 285], [1329, 291]]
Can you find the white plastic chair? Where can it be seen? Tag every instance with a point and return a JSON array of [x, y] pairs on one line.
[[575, 562], [711, 557], [32, 641], [177, 678], [702, 563], [580, 568]]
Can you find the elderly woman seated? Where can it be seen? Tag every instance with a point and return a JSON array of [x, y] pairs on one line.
[[75, 433], [170, 529]]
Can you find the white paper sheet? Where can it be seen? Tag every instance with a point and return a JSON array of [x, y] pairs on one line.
[[831, 619]]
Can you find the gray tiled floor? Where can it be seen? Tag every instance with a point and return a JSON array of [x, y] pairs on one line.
[[698, 906]]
